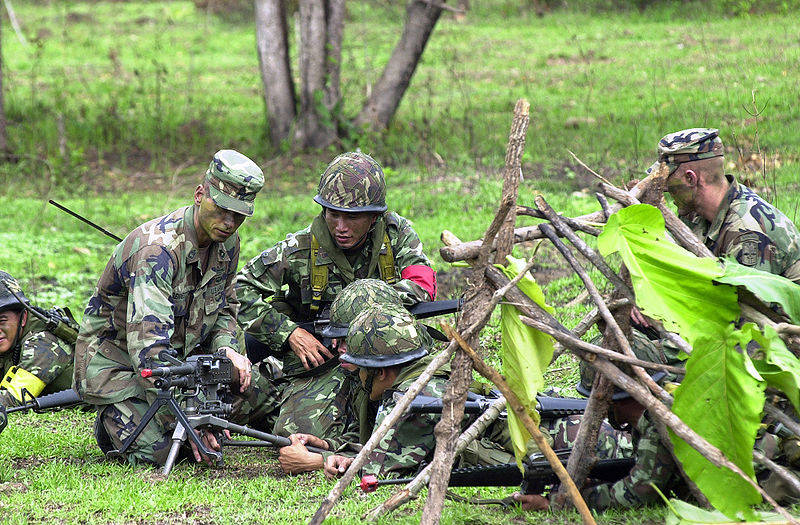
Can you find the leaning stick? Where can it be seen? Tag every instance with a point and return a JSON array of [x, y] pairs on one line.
[[782, 472], [420, 480], [516, 405]]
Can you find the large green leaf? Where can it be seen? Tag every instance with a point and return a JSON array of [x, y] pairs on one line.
[[773, 290], [722, 401], [670, 283], [779, 367], [526, 354], [682, 513]]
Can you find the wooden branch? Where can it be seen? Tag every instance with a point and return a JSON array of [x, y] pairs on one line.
[[590, 170], [603, 204], [582, 247], [575, 224], [421, 480], [782, 472], [516, 405], [512, 173], [461, 376]]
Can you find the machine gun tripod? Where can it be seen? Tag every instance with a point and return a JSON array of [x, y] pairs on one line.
[[204, 381]]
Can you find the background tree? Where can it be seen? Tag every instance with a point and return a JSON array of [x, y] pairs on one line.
[[309, 115]]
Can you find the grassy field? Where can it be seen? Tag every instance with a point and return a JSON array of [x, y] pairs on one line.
[[117, 107]]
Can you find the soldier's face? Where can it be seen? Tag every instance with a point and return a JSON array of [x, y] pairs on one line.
[[9, 326], [348, 229], [682, 193], [213, 224], [341, 347]]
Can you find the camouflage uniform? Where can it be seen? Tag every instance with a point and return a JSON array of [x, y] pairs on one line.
[[154, 295], [39, 361], [276, 289], [745, 228]]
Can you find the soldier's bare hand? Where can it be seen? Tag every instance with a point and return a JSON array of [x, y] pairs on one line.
[[531, 501], [306, 347], [639, 318], [242, 366], [309, 439], [296, 458], [209, 440], [336, 465]]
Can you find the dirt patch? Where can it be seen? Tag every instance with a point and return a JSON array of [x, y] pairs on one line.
[[9, 488], [583, 58]]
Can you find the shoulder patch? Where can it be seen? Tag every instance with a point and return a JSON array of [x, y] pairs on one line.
[[750, 253]]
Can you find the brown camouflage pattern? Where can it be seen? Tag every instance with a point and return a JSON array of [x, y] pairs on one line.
[[353, 181]]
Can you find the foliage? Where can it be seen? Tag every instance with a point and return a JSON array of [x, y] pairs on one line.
[[526, 354], [682, 513], [722, 394]]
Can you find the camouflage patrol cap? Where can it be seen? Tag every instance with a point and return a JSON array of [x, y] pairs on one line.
[[352, 182], [644, 349], [234, 181], [355, 298], [687, 145], [7, 299], [385, 336]]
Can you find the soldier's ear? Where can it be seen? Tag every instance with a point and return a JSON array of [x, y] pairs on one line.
[[691, 178], [199, 191], [23, 317]]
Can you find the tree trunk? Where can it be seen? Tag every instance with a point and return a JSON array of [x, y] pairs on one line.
[[272, 46], [4, 151], [388, 91]]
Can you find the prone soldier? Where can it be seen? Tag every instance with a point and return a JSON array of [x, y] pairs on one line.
[[169, 287]]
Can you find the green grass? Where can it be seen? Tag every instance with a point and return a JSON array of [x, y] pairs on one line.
[[147, 91]]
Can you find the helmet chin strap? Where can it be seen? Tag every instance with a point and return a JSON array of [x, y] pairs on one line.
[[369, 382], [20, 323]]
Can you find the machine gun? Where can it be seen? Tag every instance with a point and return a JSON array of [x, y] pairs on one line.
[[548, 407], [204, 383], [538, 475], [51, 402]]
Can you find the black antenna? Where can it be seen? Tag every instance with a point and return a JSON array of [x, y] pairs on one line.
[[84, 219]]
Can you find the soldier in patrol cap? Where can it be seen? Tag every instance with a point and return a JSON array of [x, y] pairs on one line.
[[353, 237], [730, 218], [169, 286], [33, 360]]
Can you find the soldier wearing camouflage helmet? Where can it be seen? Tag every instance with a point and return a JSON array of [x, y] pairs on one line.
[[33, 360], [353, 237], [730, 218], [169, 285]]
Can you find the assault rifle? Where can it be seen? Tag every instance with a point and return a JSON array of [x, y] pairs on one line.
[[547, 407], [205, 383], [50, 402], [538, 475], [57, 321]]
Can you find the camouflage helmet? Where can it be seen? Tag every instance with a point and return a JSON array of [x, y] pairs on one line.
[[353, 182], [686, 146], [643, 348], [384, 336], [355, 298], [7, 299], [233, 181]]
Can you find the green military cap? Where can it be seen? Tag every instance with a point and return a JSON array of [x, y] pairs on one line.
[[355, 298], [234, 181], [384, 336], [687, 145], [353, 182], [8, 300]]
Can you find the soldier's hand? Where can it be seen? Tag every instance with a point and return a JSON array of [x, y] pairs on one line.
[[242, 366], [308, 348], [639, 318], [336, 465], [310, 439], [531, 501], [209, 441], [296, 458]]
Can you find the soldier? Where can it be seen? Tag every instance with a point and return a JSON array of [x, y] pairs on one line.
[[730, 218], [169, 286], [33, 360], [353, 237]]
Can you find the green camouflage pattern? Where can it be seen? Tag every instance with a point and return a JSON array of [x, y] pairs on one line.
[[384, 335], [7, 299], [154, 295], [358, 296], [42, 354], [751, 231], [686, 146], [233, 181], [352, 182], [115, 422], [275, 291], [654, 465]]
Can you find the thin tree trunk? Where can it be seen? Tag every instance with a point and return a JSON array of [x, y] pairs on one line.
[[333, 58], [272, 46], [421, 18], [4, 151]]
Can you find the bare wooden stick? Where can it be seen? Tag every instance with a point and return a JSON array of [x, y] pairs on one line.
[[782, 472], [587, 322], [590, 170], [572, 223], [516, 405], [420, 480]]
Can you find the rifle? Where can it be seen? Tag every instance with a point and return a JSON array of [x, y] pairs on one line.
[[538, 475], [204, 382], [56, 320], [547, 407], [53, 402]]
